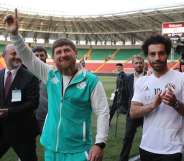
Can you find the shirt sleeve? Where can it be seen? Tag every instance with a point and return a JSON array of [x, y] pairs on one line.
[[34, 64], [101, 109]]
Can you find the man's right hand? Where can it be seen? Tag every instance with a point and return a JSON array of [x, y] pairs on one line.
[[11, 23]]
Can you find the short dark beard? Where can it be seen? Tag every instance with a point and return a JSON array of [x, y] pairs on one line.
[[69, 71], [160, 71]]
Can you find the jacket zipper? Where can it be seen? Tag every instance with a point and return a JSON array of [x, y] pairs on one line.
[[59, 124], [84, 131]]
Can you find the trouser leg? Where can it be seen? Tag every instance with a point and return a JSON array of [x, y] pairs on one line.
[[26, 151], [130, 130], [148, 156], [3, 148]]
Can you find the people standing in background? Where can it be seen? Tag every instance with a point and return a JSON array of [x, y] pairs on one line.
[[119, 103], [131, 124]]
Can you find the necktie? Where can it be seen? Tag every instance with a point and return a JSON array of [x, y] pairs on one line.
[[8, 83]]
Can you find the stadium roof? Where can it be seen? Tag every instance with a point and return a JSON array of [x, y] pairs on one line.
[[114, 28]]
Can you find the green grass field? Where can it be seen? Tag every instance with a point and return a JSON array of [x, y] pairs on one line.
[[114, 143]]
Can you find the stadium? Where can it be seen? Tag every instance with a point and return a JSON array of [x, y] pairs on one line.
[[102, 41]]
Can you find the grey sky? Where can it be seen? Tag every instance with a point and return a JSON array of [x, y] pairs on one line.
[[88, 7]]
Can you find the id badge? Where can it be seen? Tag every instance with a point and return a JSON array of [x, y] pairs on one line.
[[16, 96]]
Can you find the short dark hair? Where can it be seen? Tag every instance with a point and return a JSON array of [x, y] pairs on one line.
[[39, 49], [157, 39], [119, 64], [61, 42]]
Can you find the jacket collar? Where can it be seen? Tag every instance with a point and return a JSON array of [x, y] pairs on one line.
[[78, 77]]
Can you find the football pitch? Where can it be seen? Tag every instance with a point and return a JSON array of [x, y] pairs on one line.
[[116, 132]]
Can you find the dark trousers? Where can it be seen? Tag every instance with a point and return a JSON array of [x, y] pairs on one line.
[[147, 156], [130, 130], [26, 152]]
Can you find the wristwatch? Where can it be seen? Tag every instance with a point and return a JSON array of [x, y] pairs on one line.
[[101, 145], [176, 105]]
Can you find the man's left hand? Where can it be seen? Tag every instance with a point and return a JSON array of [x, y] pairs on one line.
[[95, 154]]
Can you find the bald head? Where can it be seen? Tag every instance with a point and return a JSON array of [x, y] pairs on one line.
[[11, 57]]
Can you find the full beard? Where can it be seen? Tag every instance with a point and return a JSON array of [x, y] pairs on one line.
[[67, 69]]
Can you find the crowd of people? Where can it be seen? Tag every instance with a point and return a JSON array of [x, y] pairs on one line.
[[57, 103]]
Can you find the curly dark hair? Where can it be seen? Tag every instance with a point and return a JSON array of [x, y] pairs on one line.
[[157, 39]]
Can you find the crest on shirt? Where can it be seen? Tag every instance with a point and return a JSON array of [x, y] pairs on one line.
[[54, 80], [81, 85], [146, 88]]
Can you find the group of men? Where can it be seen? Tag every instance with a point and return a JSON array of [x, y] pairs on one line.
[[74, 93]]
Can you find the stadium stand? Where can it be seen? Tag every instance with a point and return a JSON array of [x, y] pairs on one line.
[[126, 54], [103, 40], [82, 53], [101, 54]]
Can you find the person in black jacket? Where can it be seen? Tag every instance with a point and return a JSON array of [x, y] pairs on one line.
[[19, 97], [119, 104], [131, 124]]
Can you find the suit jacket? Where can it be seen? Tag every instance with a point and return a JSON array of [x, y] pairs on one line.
[[131, 87], [20, 125], [126, 92]]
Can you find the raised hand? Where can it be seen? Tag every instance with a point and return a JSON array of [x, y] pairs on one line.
[[11, 23]]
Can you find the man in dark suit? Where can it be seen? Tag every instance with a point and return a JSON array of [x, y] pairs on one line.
[[19, 97], [131, 124]]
